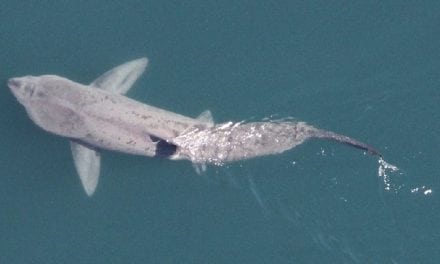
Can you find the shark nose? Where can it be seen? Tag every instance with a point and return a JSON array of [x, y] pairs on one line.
[[13, 83]]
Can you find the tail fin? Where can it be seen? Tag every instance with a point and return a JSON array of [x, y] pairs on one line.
[[346, 140]]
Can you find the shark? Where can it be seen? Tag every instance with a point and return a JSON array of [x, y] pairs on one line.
[[99, 116]]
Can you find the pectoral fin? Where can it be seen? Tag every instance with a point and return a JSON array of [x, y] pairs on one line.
[[120, 79], [87, 163]]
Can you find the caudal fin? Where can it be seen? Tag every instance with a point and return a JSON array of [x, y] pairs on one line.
[[346, 140]]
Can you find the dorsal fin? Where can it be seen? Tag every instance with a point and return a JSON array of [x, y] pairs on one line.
[[206, 117], [120, 79]]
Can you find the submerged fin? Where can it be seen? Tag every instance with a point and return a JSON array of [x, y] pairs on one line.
[[206, 117], [199, 167], [346, 140], [87, 163], [120, 79]]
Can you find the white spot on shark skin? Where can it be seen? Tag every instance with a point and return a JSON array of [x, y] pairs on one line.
[[99, 117]]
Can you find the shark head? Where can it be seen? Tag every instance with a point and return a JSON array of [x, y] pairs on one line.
[[45, 99]]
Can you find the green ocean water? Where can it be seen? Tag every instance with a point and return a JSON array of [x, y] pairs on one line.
[[366, 69]]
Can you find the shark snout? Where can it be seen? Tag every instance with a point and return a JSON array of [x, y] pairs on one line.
[[14, 83], [21, 87]]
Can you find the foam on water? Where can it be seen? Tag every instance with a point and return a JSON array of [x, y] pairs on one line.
[[386, 169]]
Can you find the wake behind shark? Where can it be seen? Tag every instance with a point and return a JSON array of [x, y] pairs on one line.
[[99, 117]]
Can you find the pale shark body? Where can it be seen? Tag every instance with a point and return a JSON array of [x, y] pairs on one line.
[[99, 116]]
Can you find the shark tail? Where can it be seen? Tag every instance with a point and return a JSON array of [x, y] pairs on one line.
[[346, 140]]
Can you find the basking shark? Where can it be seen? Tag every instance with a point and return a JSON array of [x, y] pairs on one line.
[[98, 117]]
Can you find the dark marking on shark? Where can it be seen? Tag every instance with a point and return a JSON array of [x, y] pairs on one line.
[[163, 148]]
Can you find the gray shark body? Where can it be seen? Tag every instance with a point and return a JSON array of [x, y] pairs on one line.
[[99, 116]]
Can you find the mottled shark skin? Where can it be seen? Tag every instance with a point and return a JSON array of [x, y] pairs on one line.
[[99, 117]]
